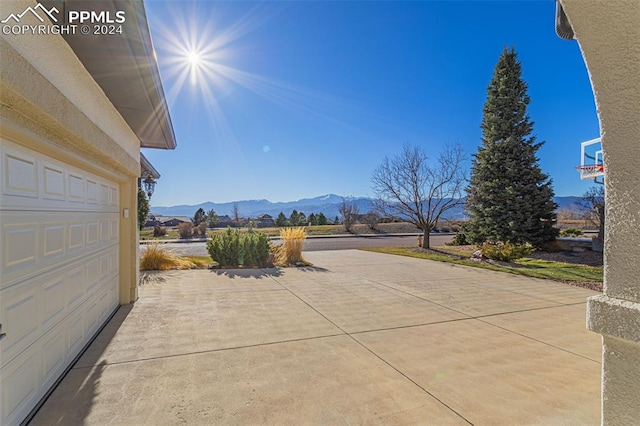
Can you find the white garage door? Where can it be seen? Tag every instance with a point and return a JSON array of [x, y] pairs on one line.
[[58, 270]]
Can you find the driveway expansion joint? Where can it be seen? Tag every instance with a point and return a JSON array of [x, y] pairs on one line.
[[396, 369], [206, 351]]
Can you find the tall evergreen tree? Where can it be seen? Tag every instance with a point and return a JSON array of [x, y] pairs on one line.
[[312, 219], [199, 217], [143, 208], [294, 218], [281, 220], [509, 197]]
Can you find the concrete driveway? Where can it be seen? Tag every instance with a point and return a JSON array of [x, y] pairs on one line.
[[360, 338]]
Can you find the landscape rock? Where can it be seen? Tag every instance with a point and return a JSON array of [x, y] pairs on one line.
[[477, 256]]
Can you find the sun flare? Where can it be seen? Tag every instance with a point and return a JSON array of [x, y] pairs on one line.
[[199, 58], [194, 59]]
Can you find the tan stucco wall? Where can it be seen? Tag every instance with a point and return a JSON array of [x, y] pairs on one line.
[[609, 36], [49, 102]]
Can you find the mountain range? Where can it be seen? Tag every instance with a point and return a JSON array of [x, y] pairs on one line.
[[328, 204]]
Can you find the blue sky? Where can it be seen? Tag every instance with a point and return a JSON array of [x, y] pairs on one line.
[[289, 100]]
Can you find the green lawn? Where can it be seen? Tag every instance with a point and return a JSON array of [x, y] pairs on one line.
[[526, 266]]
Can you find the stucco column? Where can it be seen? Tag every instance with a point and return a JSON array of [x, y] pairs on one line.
[[609, 36], [129, 244]]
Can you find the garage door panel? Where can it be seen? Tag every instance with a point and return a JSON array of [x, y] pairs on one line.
[[76, 331], [53, 234], [20, 244], [20, 306], [59, 275], [53, 301], [22, 378], [31, 248], [30, 375], [20, 174], [75, 184], [92, 191], [29, 178], [93, 275], [75, 286], [32, 308], [76, 236], [56, 349], [91, 314], [104, 230], [114, 229], [92, 233], [32, 363], [53, 187]]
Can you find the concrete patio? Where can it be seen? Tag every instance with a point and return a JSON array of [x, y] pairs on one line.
[[360, 338]]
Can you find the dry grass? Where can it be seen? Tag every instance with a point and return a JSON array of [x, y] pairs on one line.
[[155, 258], [290, 252]]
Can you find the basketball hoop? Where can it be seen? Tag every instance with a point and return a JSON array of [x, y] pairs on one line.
[[590, 171], [591, 160]]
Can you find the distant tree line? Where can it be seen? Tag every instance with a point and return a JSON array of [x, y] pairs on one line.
[[296, 218], [300, 219]]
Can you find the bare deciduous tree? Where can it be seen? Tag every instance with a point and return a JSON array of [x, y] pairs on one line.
[[235, 211], [349, 212], [408, 187], [593, 204], [372, 219]]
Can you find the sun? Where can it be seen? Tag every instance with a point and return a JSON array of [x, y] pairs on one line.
[[194, 59]]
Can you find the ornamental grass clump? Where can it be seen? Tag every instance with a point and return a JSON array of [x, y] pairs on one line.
[[571, 232], [290, 252], [505, 252], [155, 258]]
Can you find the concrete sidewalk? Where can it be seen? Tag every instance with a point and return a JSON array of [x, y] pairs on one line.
[[360, 338]]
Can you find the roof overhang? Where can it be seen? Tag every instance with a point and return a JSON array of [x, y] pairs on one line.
[[125, 67], [147, 169], [563, 26]]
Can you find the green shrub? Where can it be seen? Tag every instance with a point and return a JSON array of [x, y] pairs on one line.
[[263, 248], [571, 232], [235, 248], [459, 240], [505, 252], [249, 250]]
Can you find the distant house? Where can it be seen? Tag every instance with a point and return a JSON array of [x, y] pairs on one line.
[[152, 221], [170, 221], [174, 221], [265, 221], [225, 221]]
